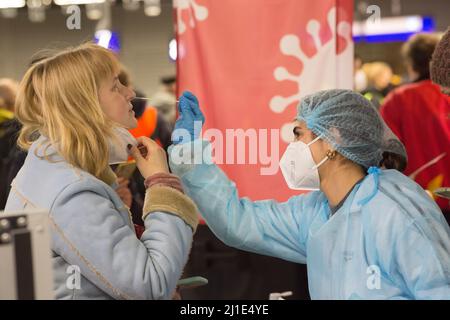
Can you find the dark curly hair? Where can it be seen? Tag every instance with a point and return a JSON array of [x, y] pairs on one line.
[[440, 63]]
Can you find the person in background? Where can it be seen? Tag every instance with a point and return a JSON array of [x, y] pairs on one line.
[[11, 158], [359, 76], [165, 99], [440, 64], [170, 84], [379, 76], [418, 113], [8, 91], [74, 114]]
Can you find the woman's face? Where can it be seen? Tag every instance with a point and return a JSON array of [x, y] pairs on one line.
[[115, 100], [318, 148]]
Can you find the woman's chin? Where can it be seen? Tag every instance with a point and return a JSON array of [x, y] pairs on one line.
[[131, 122], [128, 123]]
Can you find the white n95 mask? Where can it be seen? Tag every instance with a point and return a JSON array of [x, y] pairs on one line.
[[118, 151], [298, 167]]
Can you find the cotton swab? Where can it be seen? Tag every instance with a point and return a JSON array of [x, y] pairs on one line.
[[143, 98]]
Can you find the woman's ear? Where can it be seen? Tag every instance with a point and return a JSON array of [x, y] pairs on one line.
[[330, 151]]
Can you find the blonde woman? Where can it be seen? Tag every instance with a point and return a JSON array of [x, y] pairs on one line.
[[71, 105]]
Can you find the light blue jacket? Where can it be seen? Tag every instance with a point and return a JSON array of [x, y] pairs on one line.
[[92, 230], [389, 240]]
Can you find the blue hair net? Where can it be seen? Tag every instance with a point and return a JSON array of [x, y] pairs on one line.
[[350, 123]]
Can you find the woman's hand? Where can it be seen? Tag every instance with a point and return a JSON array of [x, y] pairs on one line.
[[155, 161], [190, 119], [124, 192]]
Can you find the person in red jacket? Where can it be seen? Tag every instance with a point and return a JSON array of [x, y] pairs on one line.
[[419, 114]]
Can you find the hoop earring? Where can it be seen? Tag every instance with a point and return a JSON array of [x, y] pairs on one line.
[[331, 154]]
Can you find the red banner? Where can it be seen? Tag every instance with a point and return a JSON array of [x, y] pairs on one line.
[[249, 62]]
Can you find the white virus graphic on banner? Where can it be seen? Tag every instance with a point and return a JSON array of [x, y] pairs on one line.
[[324, 70], [196, 12]]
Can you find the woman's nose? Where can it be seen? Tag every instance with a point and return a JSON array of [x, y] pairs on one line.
[[129, 94]]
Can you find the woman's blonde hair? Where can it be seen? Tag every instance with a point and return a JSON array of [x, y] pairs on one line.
[[59, 98]]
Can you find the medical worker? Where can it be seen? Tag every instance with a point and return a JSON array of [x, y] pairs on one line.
[[367, 232]]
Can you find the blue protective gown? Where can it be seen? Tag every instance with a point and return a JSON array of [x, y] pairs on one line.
[[389, 240]]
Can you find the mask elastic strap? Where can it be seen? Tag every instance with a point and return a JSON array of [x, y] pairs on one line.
[[323, 160], [310, 143], [320, 163]]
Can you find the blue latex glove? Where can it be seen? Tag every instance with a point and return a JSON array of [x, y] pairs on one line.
[[190, 119]]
